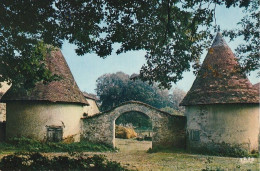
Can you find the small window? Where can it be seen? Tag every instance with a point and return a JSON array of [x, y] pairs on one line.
[[194, 135], [54, 133]]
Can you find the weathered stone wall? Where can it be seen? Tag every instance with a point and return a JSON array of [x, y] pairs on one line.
[[31, 119], [92, 109], [232, 124], [168, 130]]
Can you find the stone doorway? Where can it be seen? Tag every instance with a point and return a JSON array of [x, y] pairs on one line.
[[133, 132]]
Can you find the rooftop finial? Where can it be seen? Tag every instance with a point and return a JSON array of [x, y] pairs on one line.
[[218, 28], [219, 41]]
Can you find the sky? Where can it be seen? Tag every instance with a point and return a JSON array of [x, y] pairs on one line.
[[86, 69]]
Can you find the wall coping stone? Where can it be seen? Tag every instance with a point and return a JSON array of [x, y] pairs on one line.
[[133, 102]]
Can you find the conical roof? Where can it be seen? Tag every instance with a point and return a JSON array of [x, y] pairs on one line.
[[219, 81], [257, 85], [63, 90]]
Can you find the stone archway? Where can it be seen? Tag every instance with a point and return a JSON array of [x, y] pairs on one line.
[[168, 130]]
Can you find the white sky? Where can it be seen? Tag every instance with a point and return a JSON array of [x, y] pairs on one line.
[[86, 69]]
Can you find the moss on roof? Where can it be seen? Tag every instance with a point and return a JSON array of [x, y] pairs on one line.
[[63, 90], [219, 80]]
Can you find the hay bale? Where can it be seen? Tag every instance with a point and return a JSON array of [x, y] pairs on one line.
[[125, 133]]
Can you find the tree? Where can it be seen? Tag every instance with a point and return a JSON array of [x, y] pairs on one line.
[[173, 32], [26, 69], [138, 120], [110, 88], [114, 89], [175, 98]]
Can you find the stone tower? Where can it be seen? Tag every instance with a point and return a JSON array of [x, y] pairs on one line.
[[222, 106]]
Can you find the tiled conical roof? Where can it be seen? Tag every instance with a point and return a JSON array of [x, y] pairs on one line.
[[257, 85], [219, 81], [63, 90]]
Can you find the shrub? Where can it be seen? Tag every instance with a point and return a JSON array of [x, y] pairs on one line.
[[25, 144], [36, 161], [223, 149]]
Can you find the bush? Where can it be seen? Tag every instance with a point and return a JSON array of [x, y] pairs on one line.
[[36, 161], [25, 144], [224, 149]]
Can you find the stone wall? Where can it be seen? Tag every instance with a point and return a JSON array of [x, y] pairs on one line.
[[209, 126], [168, 130]]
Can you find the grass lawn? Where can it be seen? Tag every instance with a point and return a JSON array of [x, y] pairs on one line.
[[133, 154]]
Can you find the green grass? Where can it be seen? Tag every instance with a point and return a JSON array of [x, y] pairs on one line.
[[29, 145], [134, 153], [225, 150], [167, 150]]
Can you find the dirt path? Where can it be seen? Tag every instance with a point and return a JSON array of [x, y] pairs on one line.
[[133, 155]]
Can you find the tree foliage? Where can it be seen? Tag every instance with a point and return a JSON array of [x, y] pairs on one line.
[[176, 97], [114, 89], [173, 32], [137, 119], [27, 68]]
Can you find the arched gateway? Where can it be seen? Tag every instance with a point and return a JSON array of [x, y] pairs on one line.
[[168, 130]]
